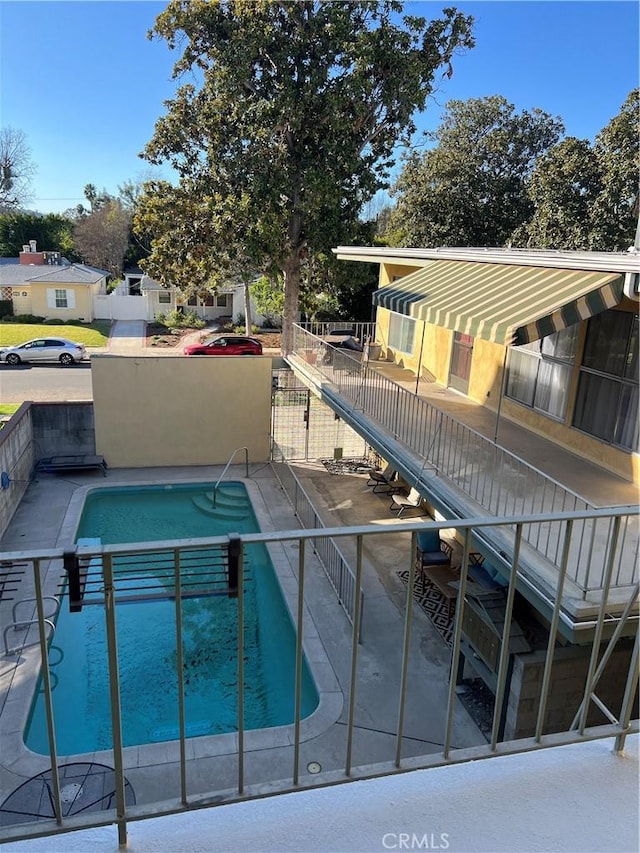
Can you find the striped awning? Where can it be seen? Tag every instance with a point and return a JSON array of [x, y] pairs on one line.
[[504, 303]]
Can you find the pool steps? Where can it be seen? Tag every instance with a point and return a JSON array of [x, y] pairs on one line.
[[219, 510]]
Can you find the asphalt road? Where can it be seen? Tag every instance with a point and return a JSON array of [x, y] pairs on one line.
[[45, 382]]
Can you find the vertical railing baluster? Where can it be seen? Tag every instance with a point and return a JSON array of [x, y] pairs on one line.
[[457, 640], [240, 601], [505, 663], [354, 658], [177, 579], [299, 655], [553, 631], [114, 690], [406, 644], [46, 684]]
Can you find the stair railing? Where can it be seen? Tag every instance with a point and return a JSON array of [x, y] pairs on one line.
[[226, 468]]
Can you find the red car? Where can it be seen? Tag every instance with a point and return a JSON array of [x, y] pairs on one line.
[[225, 345]]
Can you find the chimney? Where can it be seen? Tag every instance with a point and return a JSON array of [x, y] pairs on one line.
[[28, 255]]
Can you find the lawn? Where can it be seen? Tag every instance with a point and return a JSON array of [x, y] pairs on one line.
[[90, 334]]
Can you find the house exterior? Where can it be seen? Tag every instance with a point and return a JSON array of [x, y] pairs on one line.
[[139, 297], [46, 285], [546, 339]]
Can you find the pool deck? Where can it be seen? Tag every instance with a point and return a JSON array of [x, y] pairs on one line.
[[47, 518]]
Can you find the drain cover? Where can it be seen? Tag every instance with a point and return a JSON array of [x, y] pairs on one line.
[[70, 793], [313, 767]]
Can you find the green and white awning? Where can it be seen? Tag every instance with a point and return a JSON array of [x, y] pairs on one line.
[[504, 303]]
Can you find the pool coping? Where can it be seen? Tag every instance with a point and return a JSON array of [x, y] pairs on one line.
[[18, 759]]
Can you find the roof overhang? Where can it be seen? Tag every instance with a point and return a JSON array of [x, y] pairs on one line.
[[620, 262]]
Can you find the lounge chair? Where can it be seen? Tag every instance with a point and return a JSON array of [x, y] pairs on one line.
[[431, 550], [401, 502], [382, 481]]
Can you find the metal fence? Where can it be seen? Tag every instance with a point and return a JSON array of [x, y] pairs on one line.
[[496, 480], [303, 427], [251, 778], [335, 566]]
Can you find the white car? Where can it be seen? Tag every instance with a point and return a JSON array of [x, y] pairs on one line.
[[44, 349]]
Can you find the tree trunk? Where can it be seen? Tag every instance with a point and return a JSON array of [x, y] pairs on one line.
[[291, 274], [247, 308]]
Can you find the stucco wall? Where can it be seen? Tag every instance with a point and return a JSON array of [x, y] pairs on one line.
[[62, 429], [83, 298], [181, 411]]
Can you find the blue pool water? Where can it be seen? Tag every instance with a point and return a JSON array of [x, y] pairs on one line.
[[147, 640]]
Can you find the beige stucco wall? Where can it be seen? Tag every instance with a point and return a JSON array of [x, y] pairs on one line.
[[173, 410], [83, 298]]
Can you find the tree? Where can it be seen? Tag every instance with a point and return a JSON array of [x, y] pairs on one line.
[[52, 232], [293, 126], [101, 238], [470, 189], [617, 209], [564, 185], [16, 169]]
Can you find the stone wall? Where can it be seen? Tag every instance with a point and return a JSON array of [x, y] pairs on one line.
[[16, 462], [568, 677]]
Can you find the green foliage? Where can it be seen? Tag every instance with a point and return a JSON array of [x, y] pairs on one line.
[[293, 127], [52, 233], [617, 208], [470, 189], [177, 319], [563, 188], [22, 318]]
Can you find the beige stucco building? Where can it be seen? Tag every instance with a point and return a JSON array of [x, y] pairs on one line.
[[547, 339]]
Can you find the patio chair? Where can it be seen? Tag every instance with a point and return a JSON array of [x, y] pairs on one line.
[[431, 550], [401, 502], [382, 481]]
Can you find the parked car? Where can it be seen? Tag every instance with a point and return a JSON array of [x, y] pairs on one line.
[[44, 349], [225, 345]]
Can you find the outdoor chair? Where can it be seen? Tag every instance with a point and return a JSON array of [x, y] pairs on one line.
[[431, 550], [382, 481], [401, 502]]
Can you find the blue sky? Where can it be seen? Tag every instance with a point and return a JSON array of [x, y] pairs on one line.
[[86, 86]]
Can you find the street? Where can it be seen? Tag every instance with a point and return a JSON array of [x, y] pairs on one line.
[[45, 382]]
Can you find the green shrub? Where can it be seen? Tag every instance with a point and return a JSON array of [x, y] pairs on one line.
[[23, 318]]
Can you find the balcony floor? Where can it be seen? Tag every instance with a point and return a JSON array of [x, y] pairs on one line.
[[592, 482]]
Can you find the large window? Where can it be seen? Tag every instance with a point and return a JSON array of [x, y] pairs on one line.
[[607, 398], [540, 372], [401, 333]]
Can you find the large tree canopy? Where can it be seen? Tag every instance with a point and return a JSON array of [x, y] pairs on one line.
[[52, 232], [563, 188], [101, 238], [290, 129], [470, 189], [617, 208]]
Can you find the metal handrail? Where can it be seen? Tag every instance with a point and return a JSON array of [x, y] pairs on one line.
[[226, 468], [23, 625], [34, 601], [492, 476]]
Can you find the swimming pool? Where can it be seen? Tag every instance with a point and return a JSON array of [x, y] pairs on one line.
[[146, 634]]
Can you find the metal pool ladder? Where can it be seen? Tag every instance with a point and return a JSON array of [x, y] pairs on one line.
[[226, 468]]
